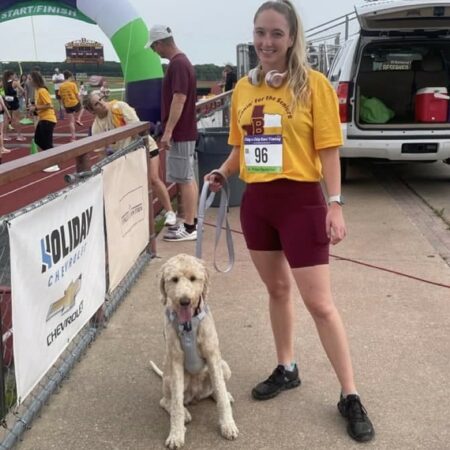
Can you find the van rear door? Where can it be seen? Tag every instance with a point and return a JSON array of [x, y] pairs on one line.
[[404, 15]]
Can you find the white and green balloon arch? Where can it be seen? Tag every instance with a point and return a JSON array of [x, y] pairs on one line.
[[127, 32]]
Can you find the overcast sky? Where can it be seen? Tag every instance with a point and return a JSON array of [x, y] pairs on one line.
[[206, 30]]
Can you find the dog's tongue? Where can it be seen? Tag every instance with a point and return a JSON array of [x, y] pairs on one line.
[[185, 314]]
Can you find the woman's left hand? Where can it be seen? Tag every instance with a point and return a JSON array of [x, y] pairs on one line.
[[335, 224]]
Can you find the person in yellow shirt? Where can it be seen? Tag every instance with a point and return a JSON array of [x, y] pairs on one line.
[[43, 106], [114, 114], [285, 132], [68, 91]]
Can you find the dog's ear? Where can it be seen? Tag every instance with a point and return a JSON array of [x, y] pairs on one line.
[[206, 283], [162, 286]]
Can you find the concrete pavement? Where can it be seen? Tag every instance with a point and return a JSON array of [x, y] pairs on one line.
[[398, 329]]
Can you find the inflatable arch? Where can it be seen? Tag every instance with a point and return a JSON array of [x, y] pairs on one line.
[[128, 34]]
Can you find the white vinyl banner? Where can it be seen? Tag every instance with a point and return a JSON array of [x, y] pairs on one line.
[[57, 278], [125, 187]]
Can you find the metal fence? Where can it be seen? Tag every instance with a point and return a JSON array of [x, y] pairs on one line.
[[16, 418], [324, 40]]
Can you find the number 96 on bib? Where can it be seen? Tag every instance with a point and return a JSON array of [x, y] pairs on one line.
[[263, 153]]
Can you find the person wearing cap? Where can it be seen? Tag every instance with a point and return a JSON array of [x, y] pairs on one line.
[[179, 127], [58, 79]]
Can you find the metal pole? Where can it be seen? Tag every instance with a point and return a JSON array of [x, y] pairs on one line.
[[346, 27], [151, 217], [330, 21], [3, 410]]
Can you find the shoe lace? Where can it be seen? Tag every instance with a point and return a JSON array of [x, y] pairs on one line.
[[356, 410], [181, 231], [276, 376]]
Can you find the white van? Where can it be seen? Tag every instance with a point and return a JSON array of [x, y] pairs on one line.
[[401, 52]]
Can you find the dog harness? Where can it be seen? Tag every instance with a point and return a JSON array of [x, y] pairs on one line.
[[187, 333]]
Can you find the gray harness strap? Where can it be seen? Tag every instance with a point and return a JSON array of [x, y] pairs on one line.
[[187, 333]]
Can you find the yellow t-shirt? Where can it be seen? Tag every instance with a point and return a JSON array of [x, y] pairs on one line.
[[259, 111], [119, 114], [68, 92], [42, 97]]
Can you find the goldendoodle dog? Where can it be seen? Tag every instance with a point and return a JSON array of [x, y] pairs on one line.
[[193, 366]]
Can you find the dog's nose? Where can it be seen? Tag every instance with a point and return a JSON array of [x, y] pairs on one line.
[[185, 301]]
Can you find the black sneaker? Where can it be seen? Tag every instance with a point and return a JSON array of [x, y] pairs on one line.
[[280, 380], [359, 427]]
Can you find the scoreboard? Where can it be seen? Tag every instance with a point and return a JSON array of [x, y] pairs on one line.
[[84, 51]]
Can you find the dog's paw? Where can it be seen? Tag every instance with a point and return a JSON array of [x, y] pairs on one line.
[[175, 440], [187, 416], [229, 430]]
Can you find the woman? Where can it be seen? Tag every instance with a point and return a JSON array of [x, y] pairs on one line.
[[68, 91], [13, 90], [114, 114], [285, 133], [43, 135], [22, 94], [3, 112]]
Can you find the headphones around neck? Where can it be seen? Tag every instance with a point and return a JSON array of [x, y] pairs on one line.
[[273, 78]]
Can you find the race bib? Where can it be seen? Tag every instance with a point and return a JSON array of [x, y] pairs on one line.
[[263, 153]]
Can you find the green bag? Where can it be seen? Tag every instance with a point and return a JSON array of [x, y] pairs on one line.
[[373, 110], [33, 148]]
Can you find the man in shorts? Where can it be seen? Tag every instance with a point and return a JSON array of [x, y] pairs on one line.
[[180, 128], [68, 92]]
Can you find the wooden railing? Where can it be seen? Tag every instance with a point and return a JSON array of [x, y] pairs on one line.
[[79, 150]]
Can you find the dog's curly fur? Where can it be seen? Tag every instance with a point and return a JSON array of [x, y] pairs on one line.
[[184, 278]]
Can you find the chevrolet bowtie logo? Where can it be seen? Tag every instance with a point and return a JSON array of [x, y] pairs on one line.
[[67, 302]]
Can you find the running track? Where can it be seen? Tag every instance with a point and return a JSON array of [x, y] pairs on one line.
[[22, 192]]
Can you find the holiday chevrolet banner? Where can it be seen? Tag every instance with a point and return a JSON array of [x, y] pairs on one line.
[[57, 278], [125, 186]]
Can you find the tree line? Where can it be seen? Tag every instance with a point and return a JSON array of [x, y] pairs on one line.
[[204, 72]]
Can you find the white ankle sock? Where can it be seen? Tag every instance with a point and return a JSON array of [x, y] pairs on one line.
[[350, 393], [289, 367]]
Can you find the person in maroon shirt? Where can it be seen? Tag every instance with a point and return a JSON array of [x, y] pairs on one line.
[[180, 127]]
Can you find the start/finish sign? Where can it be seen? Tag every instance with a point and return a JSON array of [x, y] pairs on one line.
[[37, 8]]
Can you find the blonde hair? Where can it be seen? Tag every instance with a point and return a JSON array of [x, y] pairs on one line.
[[297, 63]]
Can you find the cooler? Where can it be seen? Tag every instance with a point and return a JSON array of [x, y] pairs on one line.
[[432, 104]]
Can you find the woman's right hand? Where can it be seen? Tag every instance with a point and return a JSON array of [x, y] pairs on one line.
[[215, 179]]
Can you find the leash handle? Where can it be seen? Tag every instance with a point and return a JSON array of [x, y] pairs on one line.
[[204, 203]]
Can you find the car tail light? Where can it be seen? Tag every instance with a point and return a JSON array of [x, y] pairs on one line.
[[344, 107]]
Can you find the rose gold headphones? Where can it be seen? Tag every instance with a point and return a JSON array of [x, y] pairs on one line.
[[273, 78]]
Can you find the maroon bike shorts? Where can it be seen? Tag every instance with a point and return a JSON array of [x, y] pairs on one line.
[[289, 216]]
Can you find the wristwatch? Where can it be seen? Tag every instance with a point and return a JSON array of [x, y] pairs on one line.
[[339, 199]]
